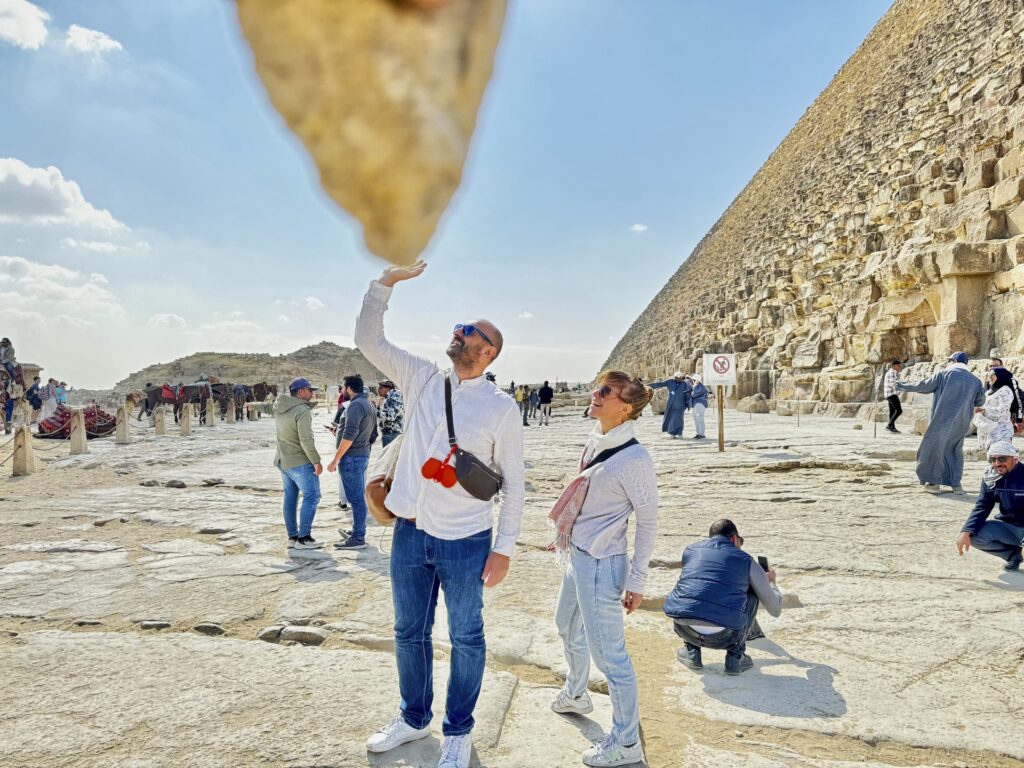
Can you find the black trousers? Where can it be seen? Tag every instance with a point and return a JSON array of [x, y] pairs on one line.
[[733, 641], [895, 410]]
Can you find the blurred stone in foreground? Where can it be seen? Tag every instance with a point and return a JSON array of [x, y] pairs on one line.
[[384, 94]]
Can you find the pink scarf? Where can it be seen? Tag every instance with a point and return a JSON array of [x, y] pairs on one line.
[[568, 507]]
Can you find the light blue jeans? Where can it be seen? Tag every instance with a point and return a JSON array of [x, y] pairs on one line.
[[589, 617], [301, 478]]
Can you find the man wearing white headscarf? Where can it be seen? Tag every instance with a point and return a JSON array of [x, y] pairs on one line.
[[678, 401], [1002, 484], [699, 403]]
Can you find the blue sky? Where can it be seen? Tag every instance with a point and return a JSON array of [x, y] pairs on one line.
[[179, 215]]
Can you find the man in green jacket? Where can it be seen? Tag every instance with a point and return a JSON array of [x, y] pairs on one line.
[[298, 460]]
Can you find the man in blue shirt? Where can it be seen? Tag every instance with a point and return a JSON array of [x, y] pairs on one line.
[[1003, 483]]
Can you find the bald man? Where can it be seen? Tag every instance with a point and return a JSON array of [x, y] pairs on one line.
[[443, 534]]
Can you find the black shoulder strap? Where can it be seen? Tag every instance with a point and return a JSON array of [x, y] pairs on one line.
[[608, 453], [448, 409]]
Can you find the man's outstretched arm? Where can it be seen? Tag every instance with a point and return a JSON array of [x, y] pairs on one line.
[[369, 334]]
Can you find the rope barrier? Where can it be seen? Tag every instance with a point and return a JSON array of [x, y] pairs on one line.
[[4, 445]]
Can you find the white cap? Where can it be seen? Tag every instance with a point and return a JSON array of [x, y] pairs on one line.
[[677, 375], [1002, 448]]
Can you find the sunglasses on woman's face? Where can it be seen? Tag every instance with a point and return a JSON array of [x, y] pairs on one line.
[[605, 392], [468, 329]]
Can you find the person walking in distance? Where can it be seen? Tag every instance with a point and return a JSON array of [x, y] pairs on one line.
[[891, 396], [699, 403], [546, 395], [442, 539], [534, 403], [297, 459], [678, 402]]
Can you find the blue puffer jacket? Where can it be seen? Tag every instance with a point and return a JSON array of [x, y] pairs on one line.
[[1008, 493], [699, 395], [713, 585]]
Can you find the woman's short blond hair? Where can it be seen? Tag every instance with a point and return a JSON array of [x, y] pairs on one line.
[[632, 391]]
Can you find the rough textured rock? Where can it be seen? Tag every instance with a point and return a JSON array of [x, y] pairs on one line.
[[754, 404], [888, 223], [385, 97]]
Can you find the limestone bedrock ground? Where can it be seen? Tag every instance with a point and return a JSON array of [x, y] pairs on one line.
[[891, 650]]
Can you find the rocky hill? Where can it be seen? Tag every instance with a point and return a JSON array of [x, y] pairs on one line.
[[324, 363], [888, 223]]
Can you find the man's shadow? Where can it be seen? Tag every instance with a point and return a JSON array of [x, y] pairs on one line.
[[810, 694]]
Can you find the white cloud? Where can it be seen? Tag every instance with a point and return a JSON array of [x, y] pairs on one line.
[[638, 228], [52, 290], [22, 23], [97, 246], [74, 322], [43, 196], [284, 318], [312, 302], [167, 320], [525, 315], [90, 41]]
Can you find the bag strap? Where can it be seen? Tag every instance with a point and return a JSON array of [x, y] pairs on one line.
[[448, 411], [609, 452]]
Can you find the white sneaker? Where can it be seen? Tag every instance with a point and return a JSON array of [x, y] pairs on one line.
[[396, 733], [455, 751], [565, 704], [607, 753], [931, 488]]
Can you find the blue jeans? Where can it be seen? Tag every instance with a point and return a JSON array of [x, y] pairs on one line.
[[300, 478], [733, 641], [387, 437], [420, 565], [999, 539], [353, 479], [589, 617]]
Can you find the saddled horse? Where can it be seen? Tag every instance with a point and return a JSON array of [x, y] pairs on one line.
[[261, 392], [184, 393]]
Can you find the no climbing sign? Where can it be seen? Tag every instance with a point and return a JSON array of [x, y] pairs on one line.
[[720, 370]]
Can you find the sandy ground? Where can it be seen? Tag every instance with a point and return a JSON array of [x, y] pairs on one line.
[[129, 614]]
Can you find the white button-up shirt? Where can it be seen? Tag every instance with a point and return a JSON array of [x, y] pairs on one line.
[[487, 424]]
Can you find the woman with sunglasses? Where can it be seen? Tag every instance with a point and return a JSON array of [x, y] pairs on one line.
[[591, 517], [993, 418]]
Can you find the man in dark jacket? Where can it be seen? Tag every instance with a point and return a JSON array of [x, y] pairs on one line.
[[714, 603], [546, 394], [1002, 484], [353, 455]]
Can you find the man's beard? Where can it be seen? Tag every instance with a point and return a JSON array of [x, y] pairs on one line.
[[460, 354]]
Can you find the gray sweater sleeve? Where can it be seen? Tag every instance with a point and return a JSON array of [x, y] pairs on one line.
[[766, 592]]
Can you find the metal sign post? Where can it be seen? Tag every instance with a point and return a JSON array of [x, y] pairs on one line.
[[720, 370]]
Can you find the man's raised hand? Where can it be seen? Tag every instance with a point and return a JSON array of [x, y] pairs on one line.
[[393, 275]]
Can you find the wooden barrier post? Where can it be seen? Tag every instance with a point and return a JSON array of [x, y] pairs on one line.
[[79, 439], [212, 406], [159, 420], [24, 463], [186, 419], [721, 418], [121, 429]]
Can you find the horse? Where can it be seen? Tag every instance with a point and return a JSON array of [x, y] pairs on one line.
[[261, 391], [240, 395], [180, 395]]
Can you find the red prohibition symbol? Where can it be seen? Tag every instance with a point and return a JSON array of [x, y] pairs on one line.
[[720, 364]]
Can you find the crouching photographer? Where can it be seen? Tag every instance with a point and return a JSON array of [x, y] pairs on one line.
[[714, 603]]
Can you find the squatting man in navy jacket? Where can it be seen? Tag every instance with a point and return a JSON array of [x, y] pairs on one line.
[[714, 603], [1003, 483]]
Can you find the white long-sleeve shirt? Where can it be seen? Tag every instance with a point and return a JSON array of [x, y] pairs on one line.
[[891, 377], [487, 424], [621, 486]]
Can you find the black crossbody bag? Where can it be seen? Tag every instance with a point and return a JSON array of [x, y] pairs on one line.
[[477, 478]]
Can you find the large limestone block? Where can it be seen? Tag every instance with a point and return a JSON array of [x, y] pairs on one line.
[[961, 258], [754, 404], [385, 95]]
